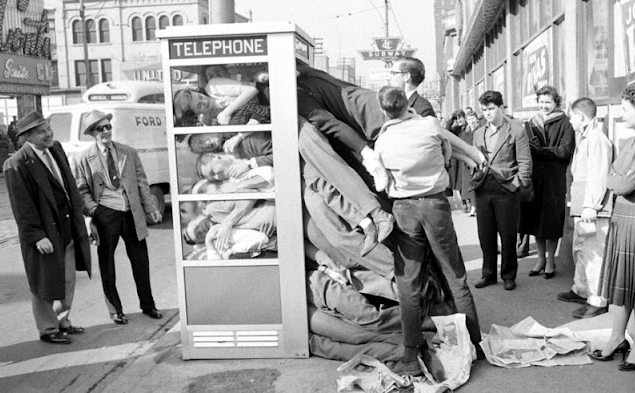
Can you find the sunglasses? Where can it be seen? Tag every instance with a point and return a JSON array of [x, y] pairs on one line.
[[103, 127], [396, 72]]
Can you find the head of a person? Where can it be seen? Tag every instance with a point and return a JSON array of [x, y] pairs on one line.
[[206, 143], [188, 100], [393, 101], [548, 99], [216, 71], [469, 109], [214, 167], [407, 71], [35, 129], [583, 110], [97, 124], [492, 106], [472, 120], [459, 115], [197, 229], [628, 105], [14, 118]]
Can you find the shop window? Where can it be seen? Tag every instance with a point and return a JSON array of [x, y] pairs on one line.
[[106, 70], [104, 30], [558, 55], [517, 83], [164, 22], [91, 37], [78, 32], [55, 80], [137, 29], [80, 72], [177, 20], [151, 28], [598, 49]]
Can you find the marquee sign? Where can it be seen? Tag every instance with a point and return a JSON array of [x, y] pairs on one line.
[[218, 47], [388, 49]]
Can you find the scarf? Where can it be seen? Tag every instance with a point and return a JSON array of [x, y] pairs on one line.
[[539, 120]]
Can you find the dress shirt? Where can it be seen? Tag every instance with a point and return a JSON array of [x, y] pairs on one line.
[[112, 198], [55, 170]]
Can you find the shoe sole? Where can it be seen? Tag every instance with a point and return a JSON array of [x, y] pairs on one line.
[[568, 300]]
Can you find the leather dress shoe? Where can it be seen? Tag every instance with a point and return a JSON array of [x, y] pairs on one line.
[[120, 319], [410, 368], [72, 330], [56, 338], [153, 313], [571, 297], [483, 282], [510, 285], [626, 366], [370, 239], [589, 311]]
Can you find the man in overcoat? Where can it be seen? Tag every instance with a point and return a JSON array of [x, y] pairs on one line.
[[116, 195], [48, 211]]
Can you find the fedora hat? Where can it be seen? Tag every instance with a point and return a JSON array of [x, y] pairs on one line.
[[28, 122], [89, 119]]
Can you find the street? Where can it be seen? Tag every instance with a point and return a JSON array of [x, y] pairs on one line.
[[144, 356]]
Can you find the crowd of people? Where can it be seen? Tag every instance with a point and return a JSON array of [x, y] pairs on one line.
[[382, 254]]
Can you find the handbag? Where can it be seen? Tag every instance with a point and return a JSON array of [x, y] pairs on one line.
[[478, 178], [526, 193], [577, 191]]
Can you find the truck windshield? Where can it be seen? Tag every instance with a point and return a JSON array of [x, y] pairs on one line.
[[61, 126]]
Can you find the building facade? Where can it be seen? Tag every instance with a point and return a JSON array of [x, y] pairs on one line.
[[582, 48]]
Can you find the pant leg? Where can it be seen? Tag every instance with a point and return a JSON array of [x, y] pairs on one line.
[[507, 213], [409, 273], [329, 349], [487, 232], [439, 230], [109, 224], [49, 315], [594, 252], [580, 285], [137, 251]]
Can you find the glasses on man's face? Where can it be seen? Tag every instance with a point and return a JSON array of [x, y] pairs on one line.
[[396, 72], [103, 127]]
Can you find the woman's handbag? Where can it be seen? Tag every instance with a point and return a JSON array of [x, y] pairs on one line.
[[478, 177], [526, 193]]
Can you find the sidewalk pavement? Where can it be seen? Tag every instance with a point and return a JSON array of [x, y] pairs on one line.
[[145, 356]]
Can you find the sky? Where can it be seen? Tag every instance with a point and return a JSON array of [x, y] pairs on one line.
[[348, 26]]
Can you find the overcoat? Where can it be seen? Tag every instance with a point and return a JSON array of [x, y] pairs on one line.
[[551, 153], [91, 173], [37, 217]]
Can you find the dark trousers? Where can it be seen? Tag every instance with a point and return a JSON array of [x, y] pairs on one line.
[[497, 212], [424, 222], [112, 224]]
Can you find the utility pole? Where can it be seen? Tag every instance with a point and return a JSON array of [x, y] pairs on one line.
[[222, 11], [386, 24], [89, 77]]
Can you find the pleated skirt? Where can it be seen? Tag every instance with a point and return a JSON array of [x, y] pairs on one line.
[[617, 279]]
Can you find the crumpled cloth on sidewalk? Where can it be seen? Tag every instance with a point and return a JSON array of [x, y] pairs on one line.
[[452, 359], [528, 343]]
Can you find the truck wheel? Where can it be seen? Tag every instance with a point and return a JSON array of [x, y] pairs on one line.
[[159, 199]]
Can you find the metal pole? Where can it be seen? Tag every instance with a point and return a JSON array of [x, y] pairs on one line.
[[386, 24], [89, 77], [221, 11]]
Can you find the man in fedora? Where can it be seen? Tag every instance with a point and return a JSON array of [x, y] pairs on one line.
[[112, 182], [48, 211]]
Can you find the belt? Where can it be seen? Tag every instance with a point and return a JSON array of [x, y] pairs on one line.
[[440, 194]]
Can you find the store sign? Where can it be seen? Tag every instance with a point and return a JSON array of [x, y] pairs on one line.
[[302, 48], [218, 47], [19, 42], [628, 23], [538, 65], [388, 49], [25, 70]]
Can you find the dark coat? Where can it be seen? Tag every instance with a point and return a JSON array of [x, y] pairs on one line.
[[463, 179], [37, 217], [420, 105], [551, 152]]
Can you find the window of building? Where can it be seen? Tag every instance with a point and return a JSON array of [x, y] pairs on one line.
[[204, 19], [104, 30], [164, 22], [80, 72], [151, 28], [177, 20], [106, 70], [78, 32], [91, 37], [137, 29], [597, 49], [55, 80]]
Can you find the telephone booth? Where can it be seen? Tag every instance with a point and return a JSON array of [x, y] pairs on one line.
[[235, 183]]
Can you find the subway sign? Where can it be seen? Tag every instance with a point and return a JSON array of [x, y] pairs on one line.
[[218, 47]]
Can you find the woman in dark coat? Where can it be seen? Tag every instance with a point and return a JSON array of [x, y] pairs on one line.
[[467, 135], [456, 125], [552, 145]]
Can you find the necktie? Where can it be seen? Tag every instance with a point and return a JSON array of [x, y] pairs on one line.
[[49, 162], [112, 170]]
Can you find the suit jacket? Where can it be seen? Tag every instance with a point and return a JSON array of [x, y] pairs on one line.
[[420, 105], [510, 160], [30, 185], [91, 171]]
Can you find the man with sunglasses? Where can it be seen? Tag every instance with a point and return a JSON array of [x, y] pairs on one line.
[[116, 195], [53, 239]]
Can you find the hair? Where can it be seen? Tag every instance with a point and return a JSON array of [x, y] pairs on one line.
[[458, 113], [414, 67], [178, 96], [491, 97], [586, 106], [629, 93], [473, 114], [393, 100], [549, 91]]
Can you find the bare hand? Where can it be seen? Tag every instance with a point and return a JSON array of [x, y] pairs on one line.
[[93, 236], [589, 215], [230, 145], [224, 117], [44, 246], [238, 168], [222, 237], [156, 217]]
